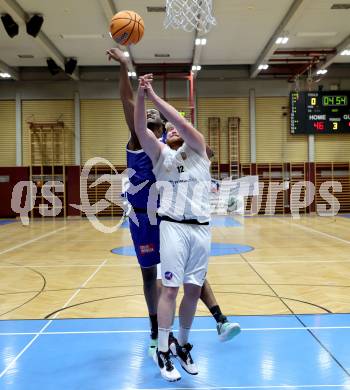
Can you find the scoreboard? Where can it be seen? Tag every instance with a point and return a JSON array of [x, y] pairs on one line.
[[320, 112]]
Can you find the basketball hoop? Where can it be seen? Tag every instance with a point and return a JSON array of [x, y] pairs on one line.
[[189, 15]]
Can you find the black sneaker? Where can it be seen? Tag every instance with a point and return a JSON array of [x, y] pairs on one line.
[[166, 366], [184, 356]]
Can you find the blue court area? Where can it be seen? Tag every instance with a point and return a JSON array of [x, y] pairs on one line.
[[125, 224], [7, 221], [217, 249], [272, 352], [224, 221]]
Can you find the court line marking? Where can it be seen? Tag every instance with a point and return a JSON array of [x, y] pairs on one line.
[[30, 241], [344, 386], [41, 331], [316, 231], [175, 330]]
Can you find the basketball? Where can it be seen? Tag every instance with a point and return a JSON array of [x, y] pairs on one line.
[[127, 27]]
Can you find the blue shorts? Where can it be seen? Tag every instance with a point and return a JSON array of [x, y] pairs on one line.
[[146, 240]]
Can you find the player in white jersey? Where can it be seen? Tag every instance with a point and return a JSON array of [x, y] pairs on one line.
[[149, 234], [181, 168]]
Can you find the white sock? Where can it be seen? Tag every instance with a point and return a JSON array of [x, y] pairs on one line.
[[163, 339], [183, 335]]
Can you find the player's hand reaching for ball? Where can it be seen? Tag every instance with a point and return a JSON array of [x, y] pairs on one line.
[[146, 83], [117, 55], [142, 90]]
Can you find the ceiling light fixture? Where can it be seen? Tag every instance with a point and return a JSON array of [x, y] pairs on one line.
[[196, 68], [5, 75], [263, 67], [25, 56], [322, 71], [282, 40], [200, 41], [345, 53]]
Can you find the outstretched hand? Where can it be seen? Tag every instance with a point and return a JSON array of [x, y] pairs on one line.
[[145, 83], [117, 55]]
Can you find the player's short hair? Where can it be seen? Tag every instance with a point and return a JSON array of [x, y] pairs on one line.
[[169, 126]]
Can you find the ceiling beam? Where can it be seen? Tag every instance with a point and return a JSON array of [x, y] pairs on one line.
[[7, 69], [331, 57], [110, 10], [271, 44], [17, 12]]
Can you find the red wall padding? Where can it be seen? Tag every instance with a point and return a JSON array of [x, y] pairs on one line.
[[16, 174]]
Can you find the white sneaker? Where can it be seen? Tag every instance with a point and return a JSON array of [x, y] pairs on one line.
[[227, 330], [166, 366], [184, 357]]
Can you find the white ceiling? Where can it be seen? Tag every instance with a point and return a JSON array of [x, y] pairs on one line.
[[244, 27]]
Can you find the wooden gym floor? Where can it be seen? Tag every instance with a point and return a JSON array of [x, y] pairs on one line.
[[65, 269]]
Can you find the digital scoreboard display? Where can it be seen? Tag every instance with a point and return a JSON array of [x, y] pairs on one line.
[[320, 112]]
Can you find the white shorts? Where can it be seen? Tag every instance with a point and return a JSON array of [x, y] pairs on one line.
[[184, 253], [159, 271]]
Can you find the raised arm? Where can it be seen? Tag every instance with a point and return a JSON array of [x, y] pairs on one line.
[[126, 94], [190, 135], [149, 142]]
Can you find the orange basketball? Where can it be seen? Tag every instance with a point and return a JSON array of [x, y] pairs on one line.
[[126, 27]]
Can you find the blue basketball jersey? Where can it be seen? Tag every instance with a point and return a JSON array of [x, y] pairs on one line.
[[142, 165]]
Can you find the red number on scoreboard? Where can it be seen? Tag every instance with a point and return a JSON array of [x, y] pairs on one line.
[[319, 125]]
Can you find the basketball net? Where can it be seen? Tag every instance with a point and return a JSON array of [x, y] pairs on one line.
[[189, 15]]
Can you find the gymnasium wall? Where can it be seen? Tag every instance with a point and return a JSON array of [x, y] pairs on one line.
[[7, 133], [225, 108], [48, 111], [104, 132], [274, 143]]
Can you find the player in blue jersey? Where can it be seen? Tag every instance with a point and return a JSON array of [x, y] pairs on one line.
[[146, 236]]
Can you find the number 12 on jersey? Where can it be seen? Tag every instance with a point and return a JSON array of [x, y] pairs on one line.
[[180, 169]]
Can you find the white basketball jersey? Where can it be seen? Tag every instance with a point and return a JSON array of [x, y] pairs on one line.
[[183, 181]]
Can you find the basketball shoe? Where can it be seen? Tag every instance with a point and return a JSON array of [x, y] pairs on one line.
[[227, 330], [183, 355], [167, 369]]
